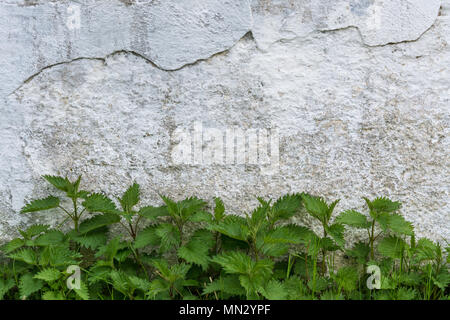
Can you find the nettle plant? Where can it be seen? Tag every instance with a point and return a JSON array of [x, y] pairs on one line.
[[188, 250]]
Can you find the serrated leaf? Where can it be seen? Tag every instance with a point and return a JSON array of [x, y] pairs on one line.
[[25, 255], [110, 250], [98, 202], [442, 280], [219, 209], [58, 256], [234, 262], [425, 250], [232, 226], [354, 219], [284, 234], [130, 198], [52, 237], [347, 278], [41, 205], [336, 231], [382, 205], [316, 207], [59, 183], [286, 207], [13, 245], [169, 235], [5, 286], [83, 292], [92, 239], [360, 252], [196, 250], [48, 274], [98, 221], [147, 236], [274, 290], [36, 229], [28, 285], [318, 285], [52, 295], [398, 224], [152, 213], [229, 284], [391, 247], [406, 293], [200, 216]]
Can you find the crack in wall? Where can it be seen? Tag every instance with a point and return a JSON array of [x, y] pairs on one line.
[[249, 33]]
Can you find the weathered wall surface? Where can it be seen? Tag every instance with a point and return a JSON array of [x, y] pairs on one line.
[[358, 91]]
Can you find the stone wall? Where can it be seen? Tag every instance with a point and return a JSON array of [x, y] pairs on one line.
[[355, 95]]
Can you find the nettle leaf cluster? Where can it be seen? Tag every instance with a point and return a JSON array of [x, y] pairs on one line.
[[189, 250]]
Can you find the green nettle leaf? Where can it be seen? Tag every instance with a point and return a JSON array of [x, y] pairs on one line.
[[13, 245], [382, 205], [139, 283], [91, 240], [98, 202], [172, 273], [354, 219], [360, 252], [234, 262], [59, 183], [190, 206], [232, 226], [219, 209], [130, 198], [36, 229], [83, 292], [98, 221], [109, 251], [425, 250], [52, 295], [274, 290], [28, 285], [442, 280], [410, 279], [58, 256], [201, 216], [25, 255], [185, 208], [336, 231], [316, 207], [406, 294], [48, 275], [197, 249], [228, 284], [347, 278], [5, 286], [41, 205], [398, 224], [152, 213], [284, 234], [383, 220], [147, 236], [52, 237], [169, 235], [286, 207], [392, 247]]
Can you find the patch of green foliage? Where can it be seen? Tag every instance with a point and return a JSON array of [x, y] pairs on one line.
[[188, 250]]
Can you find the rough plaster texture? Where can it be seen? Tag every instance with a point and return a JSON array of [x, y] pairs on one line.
[[359, 91]]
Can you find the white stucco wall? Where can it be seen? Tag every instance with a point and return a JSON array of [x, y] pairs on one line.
[[358, 91]]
